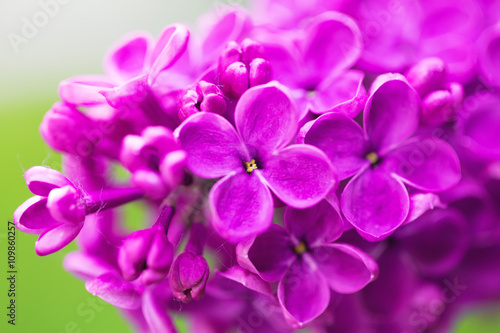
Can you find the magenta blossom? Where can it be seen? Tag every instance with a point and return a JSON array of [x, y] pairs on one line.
[[315, 64], [189, 273], [441, 99], [305, 262], [58, 210], [203, 97], [253, 159], [155, 159], [383, 156], [242, 66]]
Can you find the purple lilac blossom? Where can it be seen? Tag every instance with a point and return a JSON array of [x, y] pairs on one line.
[[391, 106], [254, 159], [304, 260], [57, 212], [315, 64], [383, 156]]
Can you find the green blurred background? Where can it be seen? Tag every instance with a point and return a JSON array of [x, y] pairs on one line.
[[73, 41]]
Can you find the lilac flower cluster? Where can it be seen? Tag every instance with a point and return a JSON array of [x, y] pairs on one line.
[[325, 164]]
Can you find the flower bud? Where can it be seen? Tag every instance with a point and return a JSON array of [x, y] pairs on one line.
[[146, 253], [260, 72], [205, 97], [427, 75], [440, 105], [64, 128], [188, 276], [65, 204], [243, 66], [234, 80]]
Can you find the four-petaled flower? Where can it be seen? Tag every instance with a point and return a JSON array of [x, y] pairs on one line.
[[301, 257], [253, 159], [383, 156]]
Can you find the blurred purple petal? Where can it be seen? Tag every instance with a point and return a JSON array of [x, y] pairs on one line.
[[114, 290], [248, 279], [421, 203], [170, 46], [155, 314], [437, 242], [85, 265], [342, 93], [127, 58], [333, 43], [84, 89]]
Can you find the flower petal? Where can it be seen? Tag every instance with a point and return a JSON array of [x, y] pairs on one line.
[[437, 242], [345, 268], [133, 253], [266, 118], [426, 163], [375, 203], [85, 265], [170, 46], [41, 180], [292, 174], [333, 43], [392, 111], [84, 89], [481, 121], [229, 25], [155, 313], [342, 140], [318, 224], [395, 275], [284, 56], [127, 58], [33, 217], [212, 145], [248, 279], [242, 206], [269, 254], [113, 289], [55, 239], [421, 203], [342, 93], [303, 293], [489, 44]]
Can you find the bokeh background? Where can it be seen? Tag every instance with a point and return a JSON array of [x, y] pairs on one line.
[[73, 41]]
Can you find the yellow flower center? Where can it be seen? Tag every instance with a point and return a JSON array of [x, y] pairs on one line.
[[300, 249], [250, 166], [372, 157]]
